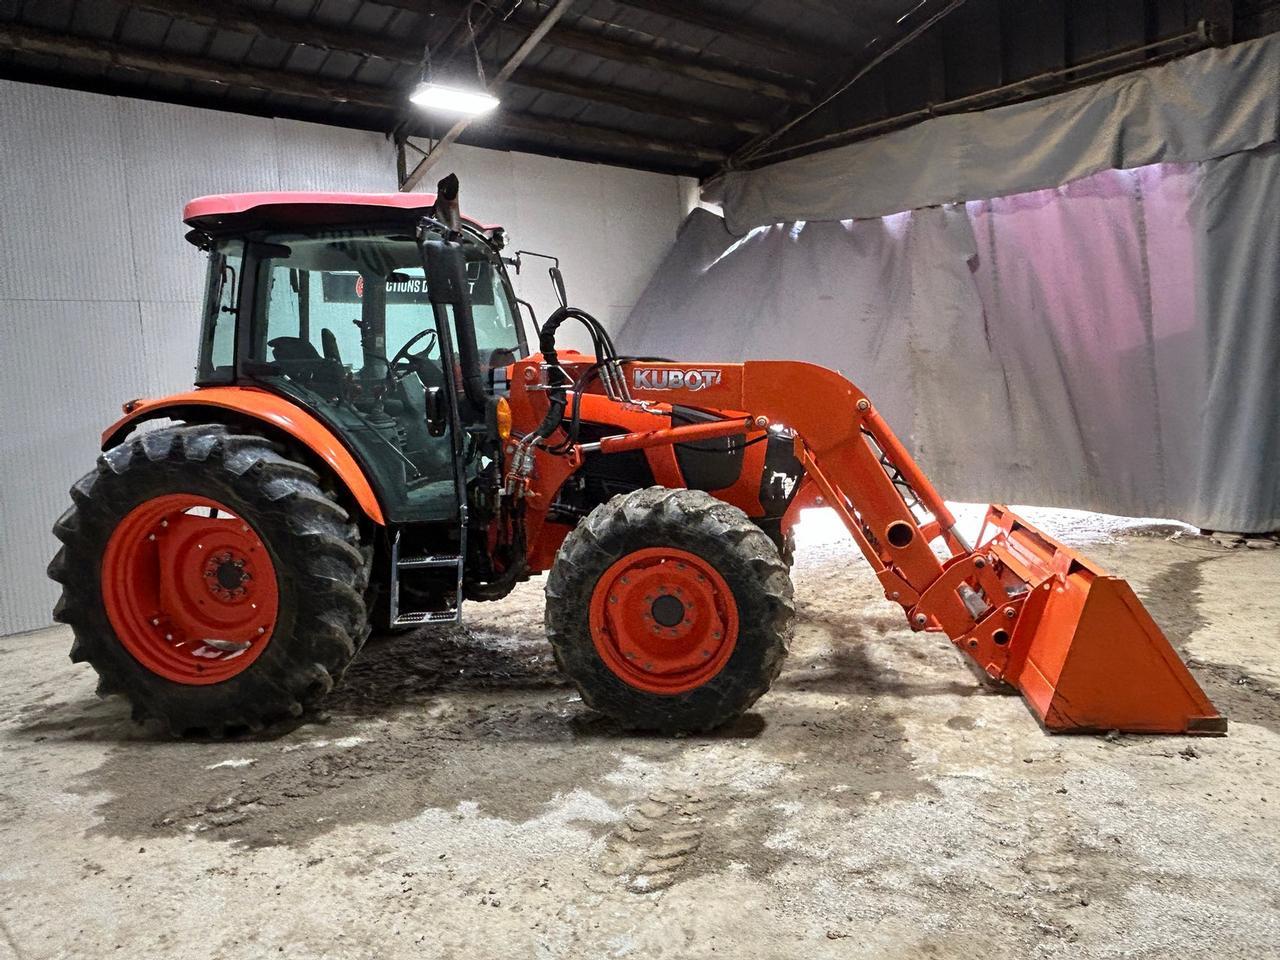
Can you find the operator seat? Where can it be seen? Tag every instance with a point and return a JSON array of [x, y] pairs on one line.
[[302, 363]]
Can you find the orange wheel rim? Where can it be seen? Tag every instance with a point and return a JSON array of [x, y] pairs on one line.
[[663, 620], [189, 588]]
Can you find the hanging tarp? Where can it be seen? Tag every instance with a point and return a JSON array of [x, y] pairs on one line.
[[1111, 344], [1211, 104]]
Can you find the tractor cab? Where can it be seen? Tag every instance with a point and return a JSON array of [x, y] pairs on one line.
[[328, 300], [324, 299]]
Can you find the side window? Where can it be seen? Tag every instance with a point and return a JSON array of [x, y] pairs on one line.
[[217, 355]]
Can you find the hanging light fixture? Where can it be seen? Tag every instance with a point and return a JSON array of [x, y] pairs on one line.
[[450, 98], [437, 96]]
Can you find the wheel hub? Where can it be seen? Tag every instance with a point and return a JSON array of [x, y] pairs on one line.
[[667, 610], [189, 588], [663, 620], [227, 576]]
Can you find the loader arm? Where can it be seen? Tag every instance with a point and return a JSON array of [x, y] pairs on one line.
[[1074, 640]]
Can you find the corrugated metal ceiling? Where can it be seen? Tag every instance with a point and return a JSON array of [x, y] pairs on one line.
[[658, 84]]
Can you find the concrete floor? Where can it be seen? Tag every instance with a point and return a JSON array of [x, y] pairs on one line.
[[458, 801]]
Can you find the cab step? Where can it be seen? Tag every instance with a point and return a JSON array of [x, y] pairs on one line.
[[437, 579], [419, 563], [423, 617]]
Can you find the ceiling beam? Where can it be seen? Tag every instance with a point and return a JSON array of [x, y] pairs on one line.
[[794, 90], [575, 132], [746, 31], [643, 103], [253, 22], [548, 21], [108, 53], [886, 48], [237, 17]]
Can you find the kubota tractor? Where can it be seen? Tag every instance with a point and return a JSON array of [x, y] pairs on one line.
[[371, 440]]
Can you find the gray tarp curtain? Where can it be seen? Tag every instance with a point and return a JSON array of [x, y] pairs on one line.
[[1211, 104], [1112, 343]]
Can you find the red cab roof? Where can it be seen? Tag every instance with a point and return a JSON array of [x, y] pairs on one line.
[[225, 207]]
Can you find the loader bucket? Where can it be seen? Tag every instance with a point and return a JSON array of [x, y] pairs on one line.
[[1084, 652]]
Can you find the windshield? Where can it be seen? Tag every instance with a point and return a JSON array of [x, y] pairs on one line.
[[364, 295], [342, 321]]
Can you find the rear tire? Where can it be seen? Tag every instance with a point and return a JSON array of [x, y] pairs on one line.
[[725, 643], [314, 555]]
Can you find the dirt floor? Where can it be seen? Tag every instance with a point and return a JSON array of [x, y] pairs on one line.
[[457, 800]]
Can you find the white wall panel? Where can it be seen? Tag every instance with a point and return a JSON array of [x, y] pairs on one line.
[[62, 195], [172, 154], [170, 335], [63, 360], [310, 156], [99, 292]]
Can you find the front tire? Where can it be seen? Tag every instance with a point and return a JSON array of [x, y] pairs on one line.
[[670, 610], [210, 580]]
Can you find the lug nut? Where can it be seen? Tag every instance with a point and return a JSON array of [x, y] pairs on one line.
[[864, 404], [168, 636], [155, 621], [261, 631], [151, 536]]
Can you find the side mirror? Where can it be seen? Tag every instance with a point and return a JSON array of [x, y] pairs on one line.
[[437, 412], [557, 281]]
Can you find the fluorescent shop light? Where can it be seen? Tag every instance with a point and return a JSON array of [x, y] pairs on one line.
[[435, 96]]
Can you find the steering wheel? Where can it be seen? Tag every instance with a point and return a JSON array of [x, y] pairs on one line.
[[405, 362]]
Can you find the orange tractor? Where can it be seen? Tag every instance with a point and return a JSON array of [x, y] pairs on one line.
[[371, 440]]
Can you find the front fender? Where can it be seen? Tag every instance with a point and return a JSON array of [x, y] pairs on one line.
[[270, 409]]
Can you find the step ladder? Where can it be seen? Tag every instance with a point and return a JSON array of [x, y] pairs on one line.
[[443, 572]]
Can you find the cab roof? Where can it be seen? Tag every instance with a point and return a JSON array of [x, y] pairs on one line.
[[232, 211]]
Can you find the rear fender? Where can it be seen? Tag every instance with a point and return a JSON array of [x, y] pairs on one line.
[[276, 412]]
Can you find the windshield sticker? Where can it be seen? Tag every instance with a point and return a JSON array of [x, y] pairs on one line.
[[402, 287]]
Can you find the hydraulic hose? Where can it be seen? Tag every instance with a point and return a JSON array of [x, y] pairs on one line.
[[557, 380]]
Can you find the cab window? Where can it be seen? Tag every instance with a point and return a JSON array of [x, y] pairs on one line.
[[221, 309]]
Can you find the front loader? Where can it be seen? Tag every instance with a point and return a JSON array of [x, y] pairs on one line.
[[371, 441]]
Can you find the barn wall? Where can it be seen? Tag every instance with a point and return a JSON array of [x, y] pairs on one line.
[[99, 292]]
